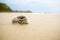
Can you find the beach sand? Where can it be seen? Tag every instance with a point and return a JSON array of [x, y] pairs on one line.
[[40, 27]]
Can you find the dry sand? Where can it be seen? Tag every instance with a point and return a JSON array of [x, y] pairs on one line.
[[40, 27]]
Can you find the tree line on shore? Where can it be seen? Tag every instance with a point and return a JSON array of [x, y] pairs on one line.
[[5, 8]]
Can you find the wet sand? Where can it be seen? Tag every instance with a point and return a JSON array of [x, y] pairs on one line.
[[40, 27]]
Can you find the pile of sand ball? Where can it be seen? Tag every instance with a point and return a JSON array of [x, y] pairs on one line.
[[20, 20]]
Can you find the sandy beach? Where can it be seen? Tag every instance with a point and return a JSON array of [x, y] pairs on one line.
[[40, 27]]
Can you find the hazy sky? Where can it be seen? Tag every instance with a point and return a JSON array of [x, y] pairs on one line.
[[34, 5]]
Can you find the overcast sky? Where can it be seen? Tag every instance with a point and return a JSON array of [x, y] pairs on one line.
[[34, 5]]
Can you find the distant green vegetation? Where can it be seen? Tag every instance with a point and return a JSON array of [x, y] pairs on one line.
[[24, 11], [5, 8]]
